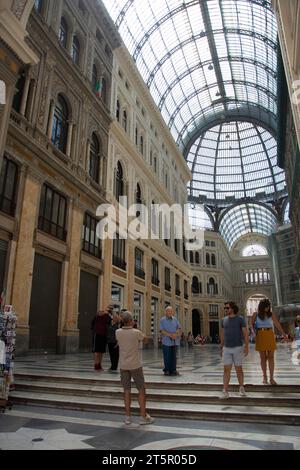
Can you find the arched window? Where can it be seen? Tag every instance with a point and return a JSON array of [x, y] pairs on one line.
[[118, 111], [119, 181], [213, 260], [197, 258], [212, 287], [207, 259], [19, 92], [138, 196], [125, 120], [195, 285], [95, 159], [60, 124], [38, 5], [63, 32], [76, 50], [94, 78]]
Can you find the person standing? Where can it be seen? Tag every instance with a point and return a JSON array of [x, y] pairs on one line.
[[112, 343], [262, 323], [171, 333], [297, 335], [129, 340], [233, 333], [99, 328]]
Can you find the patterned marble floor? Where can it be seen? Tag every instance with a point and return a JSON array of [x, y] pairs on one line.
[[29, 428]]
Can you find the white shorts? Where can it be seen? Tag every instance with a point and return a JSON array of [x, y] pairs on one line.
[[233, 356]]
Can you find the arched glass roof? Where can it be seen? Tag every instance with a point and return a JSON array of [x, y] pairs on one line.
[[203, 61], [198, 218], [247, 218], [235, 160]]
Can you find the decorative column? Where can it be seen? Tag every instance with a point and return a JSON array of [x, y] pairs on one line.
[[69, 141], [25, 95], [51, 117]]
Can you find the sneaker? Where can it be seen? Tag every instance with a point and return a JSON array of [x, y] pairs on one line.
[[224, 395], [146, 420], [127, 420], [242, 391]]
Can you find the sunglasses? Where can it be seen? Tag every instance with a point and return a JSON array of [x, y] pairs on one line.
[[227, 308]]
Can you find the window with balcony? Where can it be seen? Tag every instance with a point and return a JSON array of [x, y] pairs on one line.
[[90, 242], [8, 186], [60, 125], [168, 286], [155, 274], [139, 263], [95, 159], [119, 252], [53, 213], [177, 284]]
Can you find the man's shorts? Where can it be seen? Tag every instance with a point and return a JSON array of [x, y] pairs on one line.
[[138, 378], [233, 356]]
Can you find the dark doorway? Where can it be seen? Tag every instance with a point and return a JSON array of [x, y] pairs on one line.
[[214, 331], [45, 294], [196, 323], [3, 256], [88, 302]]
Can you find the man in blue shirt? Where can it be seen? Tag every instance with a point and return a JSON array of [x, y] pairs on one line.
[[171, 333]]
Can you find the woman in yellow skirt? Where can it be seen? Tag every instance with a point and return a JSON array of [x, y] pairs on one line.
[[263, 322]]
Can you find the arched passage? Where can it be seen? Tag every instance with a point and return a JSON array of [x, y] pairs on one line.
[[196, 322]]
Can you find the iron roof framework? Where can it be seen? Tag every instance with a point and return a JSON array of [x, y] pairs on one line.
[[210, 65]]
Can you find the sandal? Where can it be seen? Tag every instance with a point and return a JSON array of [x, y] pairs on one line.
[[265, 381], [273, 382]]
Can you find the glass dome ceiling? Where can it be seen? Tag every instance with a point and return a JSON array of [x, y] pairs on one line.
[[235, 160], [203, 60], [211, 68]]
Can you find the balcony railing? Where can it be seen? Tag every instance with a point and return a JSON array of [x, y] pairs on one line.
[[155, 281], [52, 229], [119, 262], [92, 249], [139, 272]]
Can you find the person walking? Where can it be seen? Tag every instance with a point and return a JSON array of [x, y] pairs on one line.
[[263, 322], [99, 328], [112, 343], [233, 333], [171, 333], [129, 340]]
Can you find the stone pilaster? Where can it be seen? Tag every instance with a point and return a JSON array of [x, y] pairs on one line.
[[24, 258], [68, 334]]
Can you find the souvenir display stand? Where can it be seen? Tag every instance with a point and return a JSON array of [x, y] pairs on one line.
[[8, 322]]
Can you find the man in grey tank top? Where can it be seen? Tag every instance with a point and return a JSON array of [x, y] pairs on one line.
[[234, 333]]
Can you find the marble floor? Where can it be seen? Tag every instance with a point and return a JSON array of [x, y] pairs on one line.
[[31, 427]]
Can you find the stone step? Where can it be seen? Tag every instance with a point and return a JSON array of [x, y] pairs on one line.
[[219, 411], [172, 383], [181, 394]]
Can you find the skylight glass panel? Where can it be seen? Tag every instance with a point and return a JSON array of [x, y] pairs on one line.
[[165, 34]]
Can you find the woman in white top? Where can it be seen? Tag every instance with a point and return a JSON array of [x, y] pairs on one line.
[[263, 322]]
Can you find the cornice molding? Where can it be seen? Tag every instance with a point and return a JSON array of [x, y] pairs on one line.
[[13, 34]]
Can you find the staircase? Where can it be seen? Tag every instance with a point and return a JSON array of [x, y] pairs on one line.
[[167, 398]]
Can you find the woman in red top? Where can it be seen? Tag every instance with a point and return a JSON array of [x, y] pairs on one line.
[[99, 328]]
